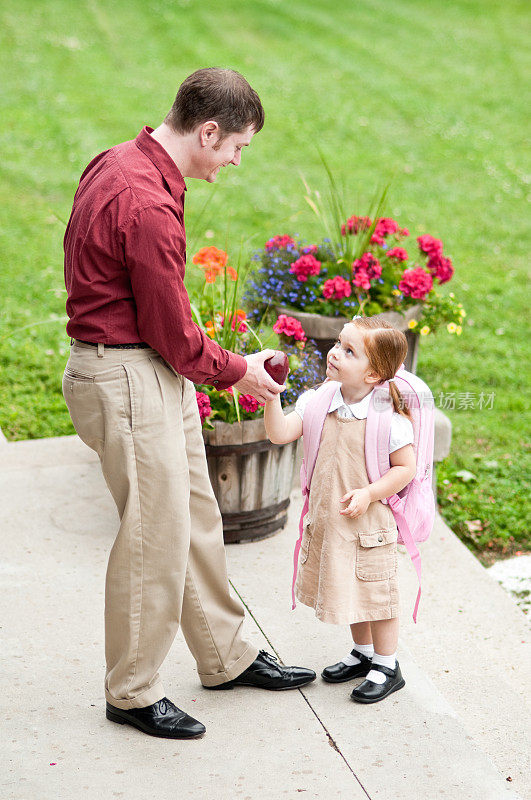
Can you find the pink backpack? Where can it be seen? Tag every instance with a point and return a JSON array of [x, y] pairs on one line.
[[414, 506]]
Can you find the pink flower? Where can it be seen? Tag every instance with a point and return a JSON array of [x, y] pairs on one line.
[[384, 227], [280, 242], [416, 283], [305, 266], [355, 224], [366, 269], [289, 327], [337, 288], [237, 321], [441, 268], [397, 253], [203, 402], [402, 232], [362, 279], [311, 250], [249, 403], [427, 244]]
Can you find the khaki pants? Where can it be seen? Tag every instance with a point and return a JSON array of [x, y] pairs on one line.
[[167, 564]]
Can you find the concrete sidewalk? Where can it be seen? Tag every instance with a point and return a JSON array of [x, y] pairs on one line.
[[457, 730]]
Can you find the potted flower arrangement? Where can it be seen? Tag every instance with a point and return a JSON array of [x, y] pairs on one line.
[[362, 268], [251, 477]]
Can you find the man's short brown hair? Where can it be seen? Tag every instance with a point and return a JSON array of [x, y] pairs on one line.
[[221, 95]]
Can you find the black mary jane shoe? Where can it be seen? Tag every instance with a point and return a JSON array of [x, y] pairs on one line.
[[162, 718], [369, 692], [340, 672], [266, 673]]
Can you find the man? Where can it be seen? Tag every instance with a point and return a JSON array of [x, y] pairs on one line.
[[129, 388]]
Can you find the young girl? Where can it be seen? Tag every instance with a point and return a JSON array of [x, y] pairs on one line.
[[348, 558]]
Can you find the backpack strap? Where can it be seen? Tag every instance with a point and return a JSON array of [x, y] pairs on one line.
[[312, 425], [377, 434], [312, 428], [397, 505], [297, 549]]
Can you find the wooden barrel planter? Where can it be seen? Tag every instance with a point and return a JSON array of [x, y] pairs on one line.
[[251, 478], [323, 331]]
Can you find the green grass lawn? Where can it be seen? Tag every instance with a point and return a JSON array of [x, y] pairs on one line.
[[432, 92]]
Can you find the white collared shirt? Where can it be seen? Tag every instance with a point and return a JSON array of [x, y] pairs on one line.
[[401, 428]]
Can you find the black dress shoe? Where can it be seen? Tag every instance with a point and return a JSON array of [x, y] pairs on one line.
[[369, 692], [163, 718], [337, 673], [266, 673]]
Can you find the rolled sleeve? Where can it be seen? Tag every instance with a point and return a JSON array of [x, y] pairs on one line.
[[154, 249]]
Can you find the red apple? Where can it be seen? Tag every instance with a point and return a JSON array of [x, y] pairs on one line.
[[278, 367]]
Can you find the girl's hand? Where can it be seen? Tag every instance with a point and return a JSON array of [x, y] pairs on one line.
[[359, 503]]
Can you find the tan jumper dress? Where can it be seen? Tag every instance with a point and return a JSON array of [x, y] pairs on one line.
[[347, 567]]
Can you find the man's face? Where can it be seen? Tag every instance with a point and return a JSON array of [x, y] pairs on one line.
[[218, 153]]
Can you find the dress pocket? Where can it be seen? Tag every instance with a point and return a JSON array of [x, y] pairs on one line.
[[376, 556]]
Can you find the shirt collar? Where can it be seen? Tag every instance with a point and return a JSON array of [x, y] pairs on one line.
[[360, 409], [162, 160]]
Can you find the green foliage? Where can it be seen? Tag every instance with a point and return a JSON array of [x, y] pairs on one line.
[[422, 90], [486, 512], [440, 308]]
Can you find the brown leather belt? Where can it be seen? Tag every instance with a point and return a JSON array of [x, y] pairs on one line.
[[131, 346]]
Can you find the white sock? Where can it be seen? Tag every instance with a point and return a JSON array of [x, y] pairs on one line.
[[364, 649], [386, 661]]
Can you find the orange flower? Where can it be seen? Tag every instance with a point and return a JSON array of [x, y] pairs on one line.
[[210, 257], [210, 275], [210, 330], [212, 271]]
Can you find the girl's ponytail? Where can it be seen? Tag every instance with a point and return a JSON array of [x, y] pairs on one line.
[[399, 404]]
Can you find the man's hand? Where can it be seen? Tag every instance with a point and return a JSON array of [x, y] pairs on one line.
[[256, 380], [360, 500]]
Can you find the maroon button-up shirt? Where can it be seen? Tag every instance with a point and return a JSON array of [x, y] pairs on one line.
[[125, 256]]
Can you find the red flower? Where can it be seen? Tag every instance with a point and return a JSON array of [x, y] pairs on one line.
[[383, 228], [337, 288], [355, 224], [398, 253], [361, 279], [441, 268], [365, 269], [289, 327], [311, 250], [416, 283], [280, 242], [249, 403], [427, 244], [203, 402], [369, 263], [402, 232], [305, 266]]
